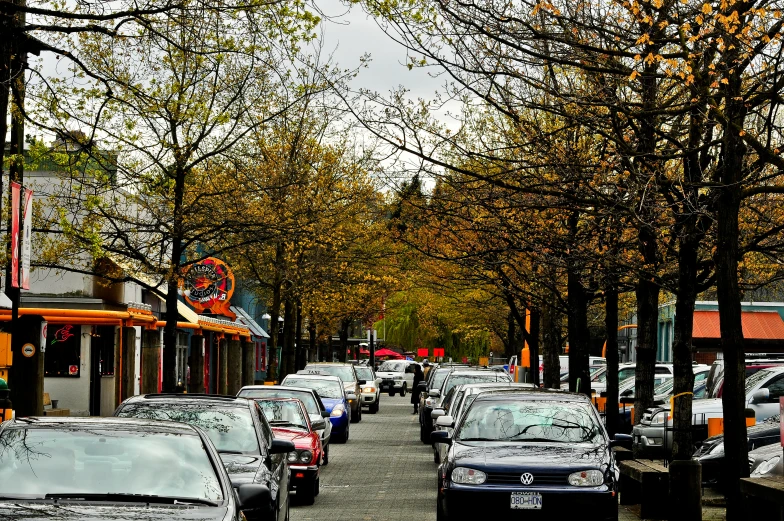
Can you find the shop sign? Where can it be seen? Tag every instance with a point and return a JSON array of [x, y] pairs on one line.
[[208, 286]]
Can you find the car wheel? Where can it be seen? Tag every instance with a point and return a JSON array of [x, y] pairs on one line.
[[374, 408], [359, 414], [392, 392], [318, 486], [403, 390], [423, 435], [307, 493], [355, 415]]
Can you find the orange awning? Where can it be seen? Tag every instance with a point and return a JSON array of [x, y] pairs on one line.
[[757, 325]]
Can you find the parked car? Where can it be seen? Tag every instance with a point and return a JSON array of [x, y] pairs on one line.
[[663, 390], [458, 400], [348, 375], [766, 462], [309, 398], [290, 421], [332, 392], [711, 452], [371, 389], [763, 390], [397, 376], [599, 379], [535, 450], [119, 468], [456, 377], [716, 382]]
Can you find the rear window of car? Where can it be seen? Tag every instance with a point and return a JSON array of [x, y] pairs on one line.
[[306, 398], [489, 376], [392, 367], [325, 388], [231, 429]]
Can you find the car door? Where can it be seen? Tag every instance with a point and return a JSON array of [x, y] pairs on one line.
[[328, 430], [454, 407], [276, 463], [769, 407]]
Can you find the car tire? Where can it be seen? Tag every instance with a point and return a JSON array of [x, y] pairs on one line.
[[318, 486], [424, 436], [359, 414], [403, 390], [435, 456], [307, 493], [374, 407], [340, 438], [392, 392], [356, 415]]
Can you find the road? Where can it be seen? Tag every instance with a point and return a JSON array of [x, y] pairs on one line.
[[383, 473]]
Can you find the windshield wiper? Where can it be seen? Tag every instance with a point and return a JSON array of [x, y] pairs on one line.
[[284, 422], [479, 439], [226, 451], [133, 498], [536, 439]]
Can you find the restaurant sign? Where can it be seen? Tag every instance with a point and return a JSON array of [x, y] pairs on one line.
[[208, 285]]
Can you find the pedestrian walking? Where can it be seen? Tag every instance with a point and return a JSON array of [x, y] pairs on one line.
[[419, 376]]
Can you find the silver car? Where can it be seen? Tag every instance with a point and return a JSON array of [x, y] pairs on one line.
[[371, 389]]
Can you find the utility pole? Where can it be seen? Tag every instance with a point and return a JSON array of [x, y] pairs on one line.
[[372, 348]]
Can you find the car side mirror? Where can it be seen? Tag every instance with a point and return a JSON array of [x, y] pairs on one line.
[[253, 496], [760, 395], [362, 382], [440, 437], [281, 447], [437, 413], [351, 396], [433, 393], [324, 414], [445, 421], [318, 425]]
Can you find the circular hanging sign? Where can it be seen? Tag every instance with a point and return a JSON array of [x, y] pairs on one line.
[[73, 369], [28, 350], [209, 285]]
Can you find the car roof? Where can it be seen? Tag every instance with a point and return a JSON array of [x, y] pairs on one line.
[[330, 363], [315, 376], [472, 372], [211, 399], [472, 388], [536, 394], [281, 387], [97, 422]]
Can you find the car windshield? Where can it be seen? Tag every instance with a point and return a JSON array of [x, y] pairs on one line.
[[439, 378], [528, 420], [325, 388], [283, 413], [489, 376], [623, 374], [36, 462], [231, 429], [365, 373], [392, 367], [307, 398], [344, 372], [756, 378], [665, 387]]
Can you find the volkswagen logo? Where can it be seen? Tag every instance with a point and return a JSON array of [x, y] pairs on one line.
[[527, 478]]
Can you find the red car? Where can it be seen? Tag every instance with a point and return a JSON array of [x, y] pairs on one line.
[[290, 421]]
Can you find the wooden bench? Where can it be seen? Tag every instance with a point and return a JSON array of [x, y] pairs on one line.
[[622, 454], [53, 412], [647, 483], [767, 497]]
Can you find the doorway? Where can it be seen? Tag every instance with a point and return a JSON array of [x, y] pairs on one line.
[[95, 374]]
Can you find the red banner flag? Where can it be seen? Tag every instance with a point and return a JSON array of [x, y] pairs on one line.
[[438, 351], [16, 189], [423, 352]]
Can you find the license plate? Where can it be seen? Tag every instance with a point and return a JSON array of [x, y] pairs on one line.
[[525, 501]]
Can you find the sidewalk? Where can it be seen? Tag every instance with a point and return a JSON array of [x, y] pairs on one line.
[[712, 508]]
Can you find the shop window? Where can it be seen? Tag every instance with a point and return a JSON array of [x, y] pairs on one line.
[[63, 351], [107, 338]]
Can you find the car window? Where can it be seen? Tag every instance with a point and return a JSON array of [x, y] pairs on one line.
[[623, 374], [776, 388], [365, 373], [266, 431], [490, 376], [448, 399], [307, 399], [438, 378], [756, 378], [528, 420], [456, 404], [231, 429], [700, 377], [392, 367], [36, 462], [344, 372], [283, 413], [325, 388]]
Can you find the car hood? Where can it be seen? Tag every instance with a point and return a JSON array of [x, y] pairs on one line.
[[388, 374], [330, 403], [299, 437], [71, 511], [243, 468], [500, 456]]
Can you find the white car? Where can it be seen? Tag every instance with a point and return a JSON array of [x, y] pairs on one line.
[[599, 379], [371, 389], [397, 376]]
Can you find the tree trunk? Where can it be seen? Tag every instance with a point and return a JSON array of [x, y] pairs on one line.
[[647, 323], [551, 340], [272, 372], [289, 356], [344, 325], [510, 346], [302, 354], [579, 336], [611, 357], [312, 340]]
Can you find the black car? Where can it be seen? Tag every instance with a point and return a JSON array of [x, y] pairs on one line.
[[435, 378], [241, 434], [309, 397], [711, 452], [542, 452], [116, 468]]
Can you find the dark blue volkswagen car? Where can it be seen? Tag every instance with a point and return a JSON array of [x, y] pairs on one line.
[[531, 454], [336, 400]]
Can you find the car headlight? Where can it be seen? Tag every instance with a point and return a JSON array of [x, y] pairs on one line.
[[398, 378], [305, 456], [766, 466], [717, 450], [586, 478], [466, 476], [369, 390], [429, 402], [337, 411], [292, 457]]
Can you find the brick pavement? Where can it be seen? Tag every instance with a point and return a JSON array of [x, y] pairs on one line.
[[384, 473]]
